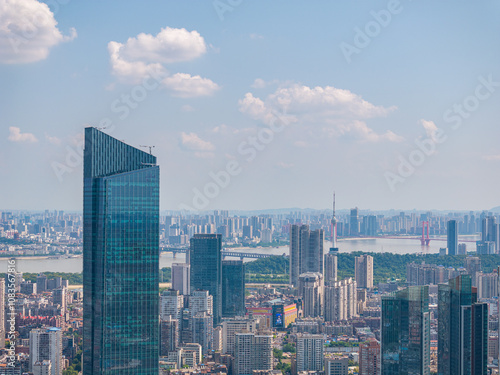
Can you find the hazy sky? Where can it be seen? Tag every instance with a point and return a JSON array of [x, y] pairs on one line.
[[281, 102]]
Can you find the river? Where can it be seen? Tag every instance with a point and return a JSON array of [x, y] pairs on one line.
[[376, 245]]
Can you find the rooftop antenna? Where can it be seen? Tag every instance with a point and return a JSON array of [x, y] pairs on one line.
[[150, 148]]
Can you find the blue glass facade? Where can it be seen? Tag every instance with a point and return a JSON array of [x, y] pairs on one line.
[[120, 258]]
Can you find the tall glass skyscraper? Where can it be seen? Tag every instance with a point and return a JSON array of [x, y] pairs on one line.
[[406, 332], [452, 237], [462, 329], [205, 258], [233, 288], [120, 258]]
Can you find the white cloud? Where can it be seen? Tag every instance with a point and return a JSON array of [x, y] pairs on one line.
[[430, 129], [15, 135], [491, 157], [131, 71], [187, 108], [28, 30], [187, 86], [168, 46], [53, 140], [192, 142], [145, 55], [338, 112], [259, 83]]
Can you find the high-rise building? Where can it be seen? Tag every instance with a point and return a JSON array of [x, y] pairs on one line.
[[41, 368], [59, 298], [253, 351], [171, 304], [462, 329], [233, 288], [120, 258], [169, 335], [311, 292], [203, 331], [232, 326], [341, 300], [205, 258], [306, 251], [41, 283], [354, 223], [405, 332], [473, 266], [46, 344], [336, 365], [487, 285], [200, 301], [310, 352], [331, 266], [452, 237], [369, 358], [364, 271], [181, 278]]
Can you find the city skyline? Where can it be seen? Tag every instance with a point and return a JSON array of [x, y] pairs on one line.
[[373, 109]]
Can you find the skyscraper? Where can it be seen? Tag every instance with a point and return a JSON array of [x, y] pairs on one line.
[[46, 344], [233, 288], [252, 351], [331, 266], [364, 271], [354, 223], [341, 300], [405, 332], [169, 335], [452, 237], [462, 329], [181, 278], [306, 251], [205, 258], [120, 258], [310, 352], [171, 304], [369, 358], [311, 292]]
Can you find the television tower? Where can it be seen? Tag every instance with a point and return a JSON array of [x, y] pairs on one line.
[[334, 225]]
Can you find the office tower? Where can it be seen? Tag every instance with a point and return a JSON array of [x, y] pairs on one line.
[[405, 332], [354, 223], [369, 358], [247, 231], [203, 331], [181, 278], [2, 313], [310, 352], [205, 258], [462, 249], [331, 266], [171, 304], [233, 288], [473, 266], [200, 301], [452, 237], [306, 251], [46, 344], [311, 292], [341, 300], [232, 326], [59, 298], [364, 271], [462, 329], [169, 335], [487, 285], [120, 258], [253, 351], [41, 283], [336, 365]]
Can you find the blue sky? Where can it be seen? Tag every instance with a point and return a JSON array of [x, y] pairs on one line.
[[207, 81]]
